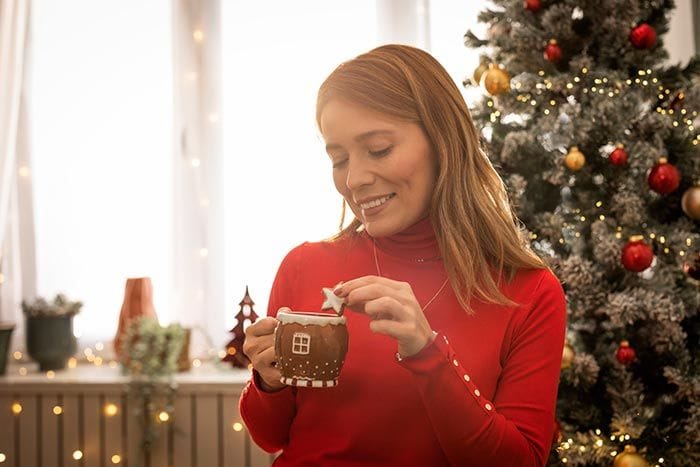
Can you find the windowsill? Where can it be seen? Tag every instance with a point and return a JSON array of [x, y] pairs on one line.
[[214, 377]]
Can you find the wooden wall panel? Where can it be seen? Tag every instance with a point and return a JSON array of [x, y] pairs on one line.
[[233, 430], [50, 421], [182, 432], [112, 429], [7, 430], [92, 431], [69, 425], [207, 431], [29, 431]]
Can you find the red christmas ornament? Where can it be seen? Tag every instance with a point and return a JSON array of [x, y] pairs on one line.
[[619, 156], [637, 255], [532, 5], [692, 266], [664, 178], [625, 354], [552, 52], [643, 36]]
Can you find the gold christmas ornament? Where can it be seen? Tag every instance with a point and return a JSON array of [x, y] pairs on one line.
[[690, 202], [567, 356], [495, 80], [575, 160], [630, 458], [479, 72]]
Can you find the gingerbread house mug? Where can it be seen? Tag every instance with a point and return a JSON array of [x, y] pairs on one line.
[[310, 348]]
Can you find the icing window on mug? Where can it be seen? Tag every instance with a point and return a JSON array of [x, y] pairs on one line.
[[301, 343]]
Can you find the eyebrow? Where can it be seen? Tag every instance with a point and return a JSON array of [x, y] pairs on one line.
[[361, 137]]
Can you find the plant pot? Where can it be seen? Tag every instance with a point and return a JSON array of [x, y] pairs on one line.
[[5, 339], [50, 341]]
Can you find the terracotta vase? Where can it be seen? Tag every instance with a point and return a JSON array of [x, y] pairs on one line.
[[138, 301]]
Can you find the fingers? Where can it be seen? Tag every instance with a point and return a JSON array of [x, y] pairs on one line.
[[262, 327], [385, 308], [345, 288]]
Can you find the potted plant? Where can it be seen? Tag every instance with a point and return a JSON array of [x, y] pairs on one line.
[[5, 339], [49, 328]]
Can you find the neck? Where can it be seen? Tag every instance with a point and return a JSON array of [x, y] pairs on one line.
[[417, 242]]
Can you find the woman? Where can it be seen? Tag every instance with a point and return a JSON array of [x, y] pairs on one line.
[[458, 328]]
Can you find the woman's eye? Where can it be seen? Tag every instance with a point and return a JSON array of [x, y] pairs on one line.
[[339, 163], [382, 152]]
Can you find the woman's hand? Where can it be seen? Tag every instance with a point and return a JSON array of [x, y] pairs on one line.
[[393, 309], [259, 346]]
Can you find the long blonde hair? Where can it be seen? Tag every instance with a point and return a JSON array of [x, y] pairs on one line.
[[479, 236]]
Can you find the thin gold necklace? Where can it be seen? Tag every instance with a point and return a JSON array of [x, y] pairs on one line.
[[379, 273]]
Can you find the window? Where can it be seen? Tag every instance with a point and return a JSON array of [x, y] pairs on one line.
[[301, 343], [101, 129]]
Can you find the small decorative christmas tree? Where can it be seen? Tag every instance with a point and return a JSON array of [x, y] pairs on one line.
[[234, 349]]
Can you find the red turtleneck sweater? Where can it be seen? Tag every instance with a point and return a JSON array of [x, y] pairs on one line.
[[483, 393]]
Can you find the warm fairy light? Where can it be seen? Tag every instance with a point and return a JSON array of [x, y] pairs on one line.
[[196, 162], [57, 410], [231, 350], [237, 426], [681, 253], [613, 454], [583, 218], [662, 239], [116, 459], [601, 217], [196, 363], [91, 358], [72, 362], [17, 355], [582, 448], [661, 460], [612, 438], [578, 234], [77, 454], [23, 371], [24, 171], [564, 460], [688, 242], [546, 111], [203, 252], [584, 70], [16, 408], [198, 35], [99, 346], [111, 410], [541, 72], [213, 118], [599, 443], [2, 457], [98, 361], [113, 364], [618, 235], [50, 374], [163, 416], [87, 352]]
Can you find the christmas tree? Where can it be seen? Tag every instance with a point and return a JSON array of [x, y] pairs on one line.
[[595, 137], [234, 349]]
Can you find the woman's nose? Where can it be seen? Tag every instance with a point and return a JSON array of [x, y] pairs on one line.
[[359, 174]]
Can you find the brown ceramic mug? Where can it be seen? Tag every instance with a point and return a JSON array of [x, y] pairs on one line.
[[310, 348]]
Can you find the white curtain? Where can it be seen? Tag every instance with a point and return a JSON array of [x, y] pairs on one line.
[[198, 185], [17, 255]]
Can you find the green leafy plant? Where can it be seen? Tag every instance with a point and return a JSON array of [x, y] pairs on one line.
[[150, 361], [60, 306]]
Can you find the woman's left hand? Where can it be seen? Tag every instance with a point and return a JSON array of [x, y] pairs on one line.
[[393, 309]]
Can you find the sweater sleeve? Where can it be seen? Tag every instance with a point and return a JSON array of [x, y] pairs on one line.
[[516, 426], [268, 415]]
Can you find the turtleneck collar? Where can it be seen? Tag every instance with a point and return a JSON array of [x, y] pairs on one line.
[[413, 243]]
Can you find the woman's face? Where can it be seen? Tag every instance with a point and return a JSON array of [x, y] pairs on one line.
[[384, 168]]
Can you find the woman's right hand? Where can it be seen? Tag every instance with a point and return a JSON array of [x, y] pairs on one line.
[[259, 346]]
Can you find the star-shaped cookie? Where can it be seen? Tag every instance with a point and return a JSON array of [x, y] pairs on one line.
[[333, 301]]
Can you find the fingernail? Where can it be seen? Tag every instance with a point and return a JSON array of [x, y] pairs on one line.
[[338, 290]]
